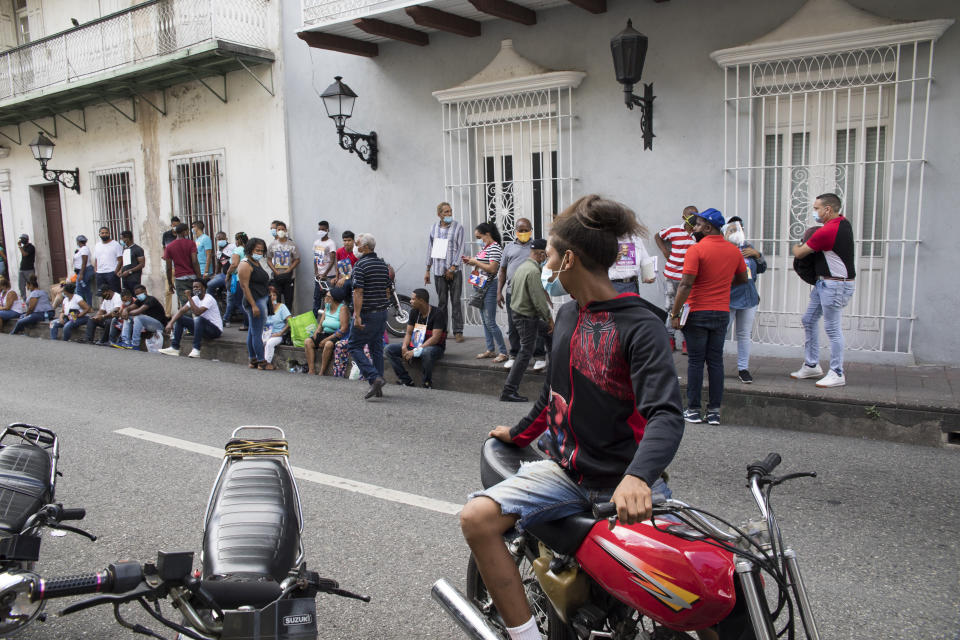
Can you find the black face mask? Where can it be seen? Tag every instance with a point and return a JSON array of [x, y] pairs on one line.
[[697, 236], [105, 238]]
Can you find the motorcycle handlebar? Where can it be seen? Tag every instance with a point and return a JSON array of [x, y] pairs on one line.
[[72, 514], [117, 578], [763, 467], [604, 510]]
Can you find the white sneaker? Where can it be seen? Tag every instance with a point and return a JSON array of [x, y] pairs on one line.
[[508, 363], [170, 351], [194, 353], [832, 379], [806, 371], [539, 364]]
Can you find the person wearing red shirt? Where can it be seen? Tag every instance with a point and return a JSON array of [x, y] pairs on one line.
[[709, 269], [182, 264], [344, 269]]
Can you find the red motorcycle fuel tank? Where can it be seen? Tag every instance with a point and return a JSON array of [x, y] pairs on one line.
[[682, 584]]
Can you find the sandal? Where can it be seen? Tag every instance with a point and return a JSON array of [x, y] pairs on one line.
[[501, 358], [485, 354], [267, 366]]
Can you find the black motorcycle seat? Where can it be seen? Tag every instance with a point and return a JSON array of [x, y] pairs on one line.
[[499, 461], [24, 484], [252, 528], [242, 592]]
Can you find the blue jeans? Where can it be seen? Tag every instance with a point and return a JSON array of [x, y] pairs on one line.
[[255, 334], [374, 323], [8, 314], [30, 319], [133, 329], [488, 313], [394, 353], [705, 332], [84, 290], [199, 326], [827, 299], [743, 333], [541, 491], [234, 301], [67, 326], [216, 284]]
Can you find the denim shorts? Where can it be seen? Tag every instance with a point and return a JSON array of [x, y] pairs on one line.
[[541, 491]]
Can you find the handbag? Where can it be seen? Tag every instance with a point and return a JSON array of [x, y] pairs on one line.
[[479, 293]]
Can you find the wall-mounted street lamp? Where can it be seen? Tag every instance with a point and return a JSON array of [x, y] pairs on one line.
[[629, 48], [338, 100], [42, 149]]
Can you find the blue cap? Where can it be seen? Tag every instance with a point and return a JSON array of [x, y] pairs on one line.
[[712, 216]]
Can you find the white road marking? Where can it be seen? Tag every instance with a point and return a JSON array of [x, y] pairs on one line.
[[346, 484]]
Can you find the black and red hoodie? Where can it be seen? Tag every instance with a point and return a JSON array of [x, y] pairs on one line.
[[611, 400]]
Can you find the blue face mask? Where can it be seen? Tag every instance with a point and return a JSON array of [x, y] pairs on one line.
[[554, 288], [447, 219], [141, 297], [221, 243], [123, 243], [257, 256], [478, 242], [273, 232]]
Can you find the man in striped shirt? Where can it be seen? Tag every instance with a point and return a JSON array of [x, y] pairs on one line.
[[371, 283], [444, 251], [673, 242]]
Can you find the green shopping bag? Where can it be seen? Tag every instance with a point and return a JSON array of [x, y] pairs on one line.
[[302, 327]]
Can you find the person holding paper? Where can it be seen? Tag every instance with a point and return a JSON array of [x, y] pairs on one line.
[[444, 253], [485, 268], [709, 269], [633, 265], [131, 269], [426, 340], [744, 298]]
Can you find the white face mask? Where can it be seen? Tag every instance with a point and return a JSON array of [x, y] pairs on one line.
[[356, 252], [735, 234], [281, 234]]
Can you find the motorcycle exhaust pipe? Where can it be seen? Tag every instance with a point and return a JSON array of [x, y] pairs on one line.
[[462, 611]]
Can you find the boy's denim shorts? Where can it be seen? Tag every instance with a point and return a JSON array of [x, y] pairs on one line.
[[541, 491]]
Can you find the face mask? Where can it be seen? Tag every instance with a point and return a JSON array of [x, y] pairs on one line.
[[322, 233], [816, 218], [221, 243], [197, 294], [141, 297], [478, 242], [273, 232], [257, 256], [447, 219], [123, 243], [523, 236], [554, 287], [281, 233], [105, 238], [356, 252], [738, 238], [697, 236]]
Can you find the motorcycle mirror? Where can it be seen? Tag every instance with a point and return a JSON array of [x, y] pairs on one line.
[[18, 611]]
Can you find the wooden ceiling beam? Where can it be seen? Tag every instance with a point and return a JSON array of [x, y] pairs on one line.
[[385, 29], [332, 42], [593, 6], [443, 21], [506, 10]]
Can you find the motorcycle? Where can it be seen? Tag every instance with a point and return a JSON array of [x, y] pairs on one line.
[[254, 582], [28, 478], [398, 309], [684, 569]]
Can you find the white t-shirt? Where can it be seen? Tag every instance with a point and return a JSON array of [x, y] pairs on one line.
[[324, 251], [78, 257], [71, 304], [106, 256], [107, 306], [213, 311]]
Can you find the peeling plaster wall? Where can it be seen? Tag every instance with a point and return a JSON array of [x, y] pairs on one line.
[[397, 202]]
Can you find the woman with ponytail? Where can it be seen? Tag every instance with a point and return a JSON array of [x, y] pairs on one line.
[[609, 411], [484, 276]]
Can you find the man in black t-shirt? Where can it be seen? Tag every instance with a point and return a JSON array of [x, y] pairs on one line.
[[145, 315], [133, 261], [426, 339], [28, 256]]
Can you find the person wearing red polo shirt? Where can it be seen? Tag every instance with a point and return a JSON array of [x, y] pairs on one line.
[[710, 268], [833, 249]]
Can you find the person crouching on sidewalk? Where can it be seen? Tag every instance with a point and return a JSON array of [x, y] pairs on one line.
[[426, 339]]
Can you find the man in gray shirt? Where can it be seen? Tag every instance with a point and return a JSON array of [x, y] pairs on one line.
[[514, 254], [444, 250]]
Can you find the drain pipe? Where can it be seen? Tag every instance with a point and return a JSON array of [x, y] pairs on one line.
[[462, 611]]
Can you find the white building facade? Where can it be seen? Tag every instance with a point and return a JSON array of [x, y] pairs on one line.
[[512, 109], [170, 107]]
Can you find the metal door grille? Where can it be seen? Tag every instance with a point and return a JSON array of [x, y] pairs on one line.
[[851, 123], [508, 157], [113, 206], [198, 190]]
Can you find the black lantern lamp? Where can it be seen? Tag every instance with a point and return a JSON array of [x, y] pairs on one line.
[[338, 100], [42, 149], [629, 48]]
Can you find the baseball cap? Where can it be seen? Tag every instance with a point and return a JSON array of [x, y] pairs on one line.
[[24, 236], [712, 216], [538, 244], [81, 238]]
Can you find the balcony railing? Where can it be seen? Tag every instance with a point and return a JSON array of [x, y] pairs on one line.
[[141, 33], [324, 12]]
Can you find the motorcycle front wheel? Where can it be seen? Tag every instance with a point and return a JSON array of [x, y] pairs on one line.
[[552, 627], [398, 315]]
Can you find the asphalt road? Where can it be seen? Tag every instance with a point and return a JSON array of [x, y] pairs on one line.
[[876, 532]]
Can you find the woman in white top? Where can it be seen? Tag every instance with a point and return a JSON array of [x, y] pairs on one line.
[[75, 313], [11, 306], [83, 267], [276, 326]]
